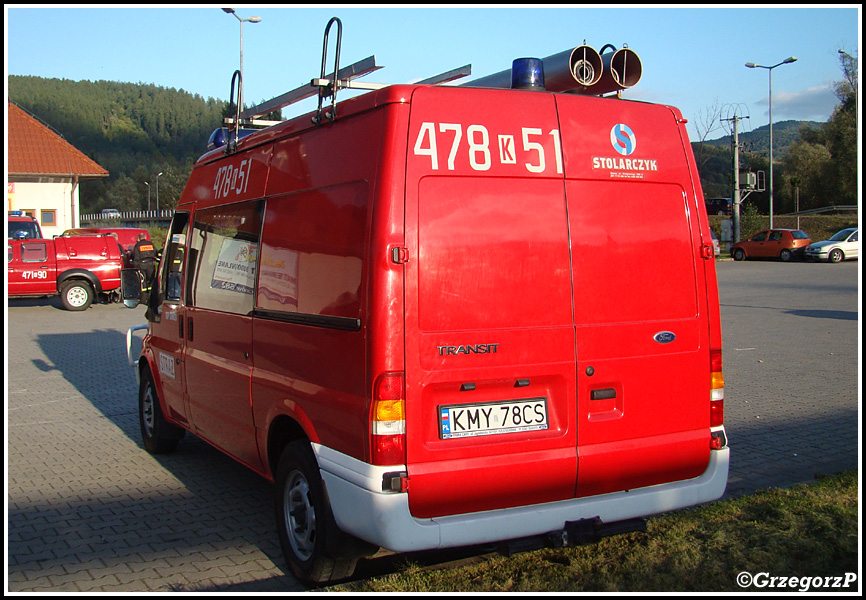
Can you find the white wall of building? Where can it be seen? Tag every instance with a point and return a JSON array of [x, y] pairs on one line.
[[50, 199]]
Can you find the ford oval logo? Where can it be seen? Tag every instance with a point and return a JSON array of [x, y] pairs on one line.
[[665, 337]]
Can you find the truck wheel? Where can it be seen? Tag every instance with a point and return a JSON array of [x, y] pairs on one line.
[[159, 436], [76, 294], [836, 255], [314, 547]]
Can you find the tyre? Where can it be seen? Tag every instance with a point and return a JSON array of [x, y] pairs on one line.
[[836, 255], [76, 294], [159, 436], [739, 254], [314, 547], [785, 255]]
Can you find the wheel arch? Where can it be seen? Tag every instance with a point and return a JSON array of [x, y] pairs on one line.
[[145, 368], [283, 430], [833, 250], [84, 274]]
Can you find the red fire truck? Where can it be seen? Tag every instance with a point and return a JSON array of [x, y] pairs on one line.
[[79, 269], [440, 315]]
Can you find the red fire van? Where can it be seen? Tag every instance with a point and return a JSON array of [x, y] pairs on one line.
[[440, 315]]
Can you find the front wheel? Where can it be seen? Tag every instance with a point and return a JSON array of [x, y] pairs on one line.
[[76, 294], [159, 436], [313, 545], [836, 255], [739, 254]]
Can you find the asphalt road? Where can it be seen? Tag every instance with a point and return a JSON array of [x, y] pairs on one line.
[[89, 510]]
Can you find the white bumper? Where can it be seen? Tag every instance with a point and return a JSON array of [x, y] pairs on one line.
[[361, 508]]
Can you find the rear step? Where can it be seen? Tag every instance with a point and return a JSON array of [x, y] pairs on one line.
[[575, 533]]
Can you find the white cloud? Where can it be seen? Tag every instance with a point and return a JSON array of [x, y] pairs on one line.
[[812, 104]]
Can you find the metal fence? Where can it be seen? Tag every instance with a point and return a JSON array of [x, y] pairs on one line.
[[130, 217]]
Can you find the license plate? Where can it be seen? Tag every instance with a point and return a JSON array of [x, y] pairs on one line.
[[468, 420]]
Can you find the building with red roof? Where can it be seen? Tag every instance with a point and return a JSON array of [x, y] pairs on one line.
[[44, 172]]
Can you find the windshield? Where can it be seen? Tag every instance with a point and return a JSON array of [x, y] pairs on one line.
[[23, 230], [842, 235]]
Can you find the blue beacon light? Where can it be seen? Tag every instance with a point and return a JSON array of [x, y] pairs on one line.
[[527, 74]]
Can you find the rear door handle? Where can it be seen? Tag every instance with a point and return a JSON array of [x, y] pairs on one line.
[[603, 394]]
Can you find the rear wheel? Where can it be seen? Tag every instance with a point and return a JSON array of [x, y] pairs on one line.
[[739, 254], [76, 294], [836, 255], [785, 255], [314, 547]]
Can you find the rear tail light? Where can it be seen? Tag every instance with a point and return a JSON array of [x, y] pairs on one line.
[[717, 389], [388, 421]]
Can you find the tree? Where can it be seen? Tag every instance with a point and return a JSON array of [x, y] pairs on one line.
[[824, 161], [706, 122], [808, 163]]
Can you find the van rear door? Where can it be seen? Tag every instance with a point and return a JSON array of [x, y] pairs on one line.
[[640, 297], [490, 350]]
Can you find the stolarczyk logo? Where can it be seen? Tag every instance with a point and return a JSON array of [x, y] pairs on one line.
[[622, 139]]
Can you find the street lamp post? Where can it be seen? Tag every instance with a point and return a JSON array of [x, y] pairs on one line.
[[788, 60], [148, 195], [232, 12], [846, 71], [157, 194]]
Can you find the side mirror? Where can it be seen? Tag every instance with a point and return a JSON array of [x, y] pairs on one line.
[[130, 287]]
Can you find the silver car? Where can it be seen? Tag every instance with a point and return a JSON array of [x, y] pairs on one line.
[[843, 245]]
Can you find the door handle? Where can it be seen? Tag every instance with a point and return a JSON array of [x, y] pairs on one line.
[[602, 394]]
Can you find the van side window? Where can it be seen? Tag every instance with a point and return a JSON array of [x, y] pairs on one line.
[[312, 248], [224, 245]]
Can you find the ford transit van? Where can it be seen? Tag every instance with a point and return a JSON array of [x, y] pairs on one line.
[[440, 315]]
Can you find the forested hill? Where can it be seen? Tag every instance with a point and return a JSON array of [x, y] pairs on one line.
[[785, 134], [135, 131], [714, 156]]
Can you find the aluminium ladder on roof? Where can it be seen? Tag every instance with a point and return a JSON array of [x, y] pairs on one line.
[[328, 85]]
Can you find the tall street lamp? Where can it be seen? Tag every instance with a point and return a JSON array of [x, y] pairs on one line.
[[157, 194], [790, 59], [232, 12], [148, 195], [850, 80]]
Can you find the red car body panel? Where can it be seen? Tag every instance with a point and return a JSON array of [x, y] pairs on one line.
[[126, 237]]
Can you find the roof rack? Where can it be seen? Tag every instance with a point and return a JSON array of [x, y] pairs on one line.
[[324, 86]]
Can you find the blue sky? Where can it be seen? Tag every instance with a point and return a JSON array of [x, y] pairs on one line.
[[692, 57]]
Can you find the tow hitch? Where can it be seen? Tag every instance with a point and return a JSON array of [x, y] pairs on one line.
[[575, 533]]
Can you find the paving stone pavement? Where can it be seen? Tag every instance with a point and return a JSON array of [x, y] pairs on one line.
[[88, 510], [791, 364]]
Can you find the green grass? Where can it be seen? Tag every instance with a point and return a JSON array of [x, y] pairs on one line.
[[804, 531]]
